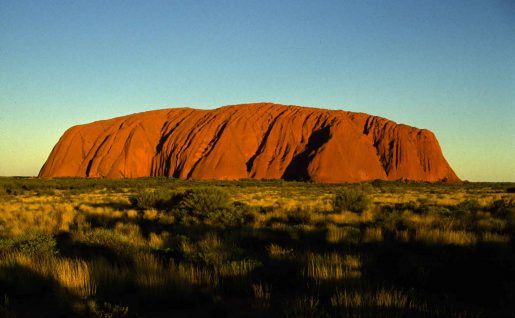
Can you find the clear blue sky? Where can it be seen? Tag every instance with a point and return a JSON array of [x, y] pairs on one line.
[[448, 66]]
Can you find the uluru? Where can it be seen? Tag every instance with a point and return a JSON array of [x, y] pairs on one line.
[[260, 141]]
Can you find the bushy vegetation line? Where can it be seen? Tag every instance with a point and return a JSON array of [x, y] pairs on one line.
[[164, 247], [194, 206], [351, 199]]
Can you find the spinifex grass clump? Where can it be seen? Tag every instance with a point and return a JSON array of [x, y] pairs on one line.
[[351, 199], [376, 303]]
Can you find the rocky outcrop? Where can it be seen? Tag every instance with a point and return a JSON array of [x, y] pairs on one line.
[[262, 141]]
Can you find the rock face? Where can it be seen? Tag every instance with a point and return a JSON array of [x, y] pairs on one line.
[[262, 141]]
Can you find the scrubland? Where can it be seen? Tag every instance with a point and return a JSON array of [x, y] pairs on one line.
[[157, 247]]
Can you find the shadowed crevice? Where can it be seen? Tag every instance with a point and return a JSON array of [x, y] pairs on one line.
[[298, 167], [250, 162], [165, 135], [209, 147], [90, 163]]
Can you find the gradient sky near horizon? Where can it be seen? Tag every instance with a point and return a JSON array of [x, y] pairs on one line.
[[448, 66]]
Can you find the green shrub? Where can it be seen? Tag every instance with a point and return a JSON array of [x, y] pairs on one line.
[[107, 239], [31, 244], [108, 310], [298, 216], [502, 207], [510, 219], [205, 200], [230, 217], [156, 199], [467, 206], [11, 190], [391, 219], [211, 206], [350, 199], [143, 200]]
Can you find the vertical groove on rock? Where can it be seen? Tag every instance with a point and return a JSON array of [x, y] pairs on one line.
[[249, 164]]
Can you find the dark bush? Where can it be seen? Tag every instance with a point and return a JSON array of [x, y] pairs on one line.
[[502, 207], [31, 244], [467, 206], [12, 190], [212, 206], [298, 216], [228, 217], [157, 199], [246, 213], [351, 199], [406, 206], [204, 200]]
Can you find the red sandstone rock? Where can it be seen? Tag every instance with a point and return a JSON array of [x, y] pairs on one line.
[[262, 141]]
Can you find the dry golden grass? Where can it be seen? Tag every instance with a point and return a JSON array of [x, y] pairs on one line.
[[236, 269], [374, 234], [131, 214], [402, 235], [381, 298], [151, 215], [150, 272], [332, 267], [95, 246], [342, 234], [445, 237], [160, 240], [109, 275], [344, 217], [193, 275], [71, 274], [495, 237], [259, 197], [305, 306], [278, 252], [420, 220], [262, 295], [155, 276], [75, 276], [18, 218], [130, 234], [487, 223]]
